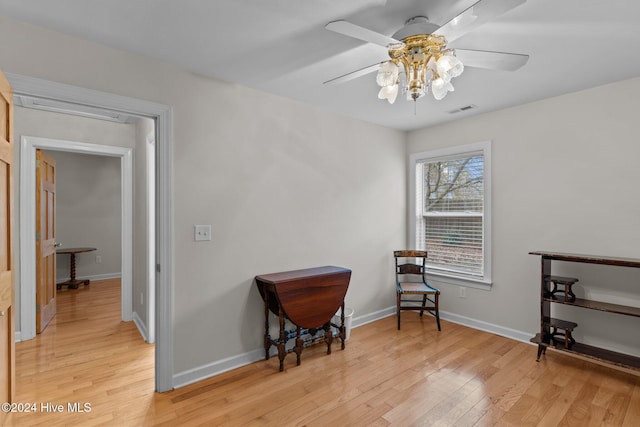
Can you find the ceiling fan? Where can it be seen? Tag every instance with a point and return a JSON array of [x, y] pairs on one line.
[[419, 58]]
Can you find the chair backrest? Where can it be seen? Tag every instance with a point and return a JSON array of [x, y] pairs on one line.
[[406, 268]]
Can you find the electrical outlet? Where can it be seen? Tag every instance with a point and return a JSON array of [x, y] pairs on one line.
[[463, 292], [98, 259], [202, 232], [141, 298]]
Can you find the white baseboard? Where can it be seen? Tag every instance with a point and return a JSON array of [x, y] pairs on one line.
[[212, 369], [372, 317], [94, 277], [487, 327], [18, 336], [142, 328]]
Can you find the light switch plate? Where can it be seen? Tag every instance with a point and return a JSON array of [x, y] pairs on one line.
[[202, 232]]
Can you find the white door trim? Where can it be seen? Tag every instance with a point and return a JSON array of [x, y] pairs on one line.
[[151, 236], [28, 147], [163, 115]]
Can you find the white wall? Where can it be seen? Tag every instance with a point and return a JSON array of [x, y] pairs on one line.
[[565, 178], [284, 185], [88, 213]]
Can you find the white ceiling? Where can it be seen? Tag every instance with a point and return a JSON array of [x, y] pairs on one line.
[[282, 47]]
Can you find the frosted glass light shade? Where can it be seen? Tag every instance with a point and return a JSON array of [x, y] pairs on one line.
[[387, 74], [448, 66], [440, 88], [390, 93]]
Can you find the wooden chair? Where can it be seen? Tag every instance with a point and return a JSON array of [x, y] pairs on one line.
[[411, 280]]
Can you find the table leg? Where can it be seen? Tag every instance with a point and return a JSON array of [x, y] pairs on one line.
[[72, 282], [328, 336], [267, 337], [343, 332], [299, 345], [541, 350], [72, 273], [282, 341]]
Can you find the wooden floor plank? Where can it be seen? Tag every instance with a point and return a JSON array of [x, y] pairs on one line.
[[632, 416], [415, 376]]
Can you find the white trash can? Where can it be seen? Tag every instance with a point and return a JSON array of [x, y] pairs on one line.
[[348, 314]]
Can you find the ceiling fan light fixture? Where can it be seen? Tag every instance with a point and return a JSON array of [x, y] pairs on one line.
[[425, 61], [420, 49]]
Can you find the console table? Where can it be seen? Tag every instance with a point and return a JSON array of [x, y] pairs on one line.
[[309, 298], [551, 334], [72, 252]]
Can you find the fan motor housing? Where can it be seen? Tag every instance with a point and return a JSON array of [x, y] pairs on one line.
[[414, 26]]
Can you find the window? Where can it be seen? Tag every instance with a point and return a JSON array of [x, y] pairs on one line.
[[451, 206]]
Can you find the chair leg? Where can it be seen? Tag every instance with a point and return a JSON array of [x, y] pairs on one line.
[[424, 303], [437, 310], [398, 309]]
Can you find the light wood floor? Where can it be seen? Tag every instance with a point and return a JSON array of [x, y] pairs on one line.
[[458, 377]]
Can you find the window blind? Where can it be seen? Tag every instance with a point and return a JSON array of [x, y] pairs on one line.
[[450, 213]]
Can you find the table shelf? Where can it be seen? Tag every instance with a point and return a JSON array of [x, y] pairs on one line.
[[596, 353], [597, 305]]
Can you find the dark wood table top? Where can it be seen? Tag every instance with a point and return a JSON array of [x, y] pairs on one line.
[[74, 250], [286, 276], [308, 297]]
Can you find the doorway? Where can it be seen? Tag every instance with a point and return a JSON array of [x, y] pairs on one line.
[[28, 147], [162, 115]]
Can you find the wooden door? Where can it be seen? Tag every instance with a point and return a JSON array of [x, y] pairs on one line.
[[45, 240], [7, 326]]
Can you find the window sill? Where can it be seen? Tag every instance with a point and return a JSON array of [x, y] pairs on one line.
[[484, 284]]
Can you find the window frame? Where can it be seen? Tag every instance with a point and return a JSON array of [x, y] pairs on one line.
[[484, 148]]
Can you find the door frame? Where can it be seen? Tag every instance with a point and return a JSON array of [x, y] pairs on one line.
[[163, 116], [28, 147]]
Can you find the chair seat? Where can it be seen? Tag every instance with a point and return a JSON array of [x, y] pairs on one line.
[[416, 288]]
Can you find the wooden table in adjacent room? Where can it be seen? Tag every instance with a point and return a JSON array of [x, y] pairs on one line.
[[308, 298], [73, 283]]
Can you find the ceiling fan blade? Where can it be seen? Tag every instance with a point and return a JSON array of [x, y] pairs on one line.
[[360, 33], [354, 74], [491, 60], [478, 14]]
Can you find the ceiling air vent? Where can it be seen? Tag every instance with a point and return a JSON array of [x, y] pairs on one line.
[[465, 108]]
